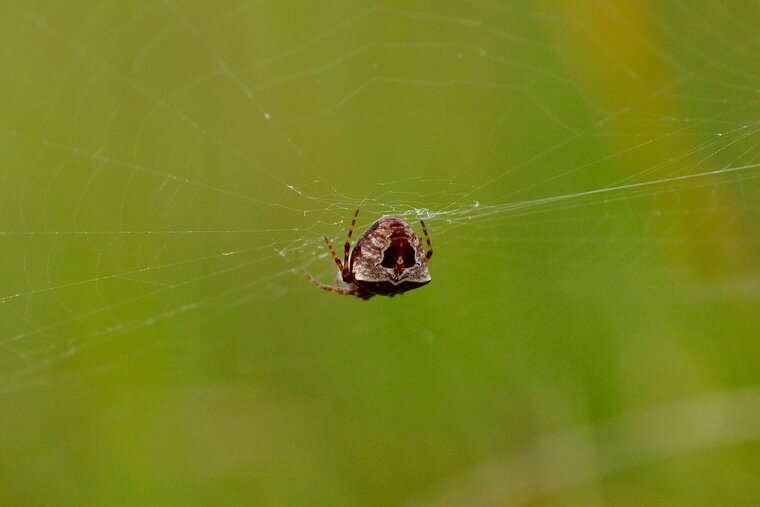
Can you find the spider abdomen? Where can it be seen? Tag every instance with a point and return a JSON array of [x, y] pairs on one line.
[[389, 258]]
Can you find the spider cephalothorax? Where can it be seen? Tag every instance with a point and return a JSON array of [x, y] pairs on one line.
[[388, 259]]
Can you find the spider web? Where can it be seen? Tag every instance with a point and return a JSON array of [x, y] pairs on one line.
[[170, 168]]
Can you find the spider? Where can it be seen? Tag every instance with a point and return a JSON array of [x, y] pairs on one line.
[[388, 259]]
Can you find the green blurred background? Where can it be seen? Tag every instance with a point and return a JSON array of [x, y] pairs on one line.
[[589, 176]]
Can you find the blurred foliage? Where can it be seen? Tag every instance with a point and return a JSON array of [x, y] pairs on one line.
[[588, 174]]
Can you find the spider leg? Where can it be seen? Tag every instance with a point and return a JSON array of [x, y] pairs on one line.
[[346, 291], [346, 248], [429, 253], [334, 255]]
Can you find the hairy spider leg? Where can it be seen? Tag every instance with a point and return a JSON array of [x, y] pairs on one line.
[[334, 255], [338, 290], [429, 253], [346, 248]]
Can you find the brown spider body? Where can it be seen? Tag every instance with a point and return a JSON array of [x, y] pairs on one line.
[[388, 259]]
